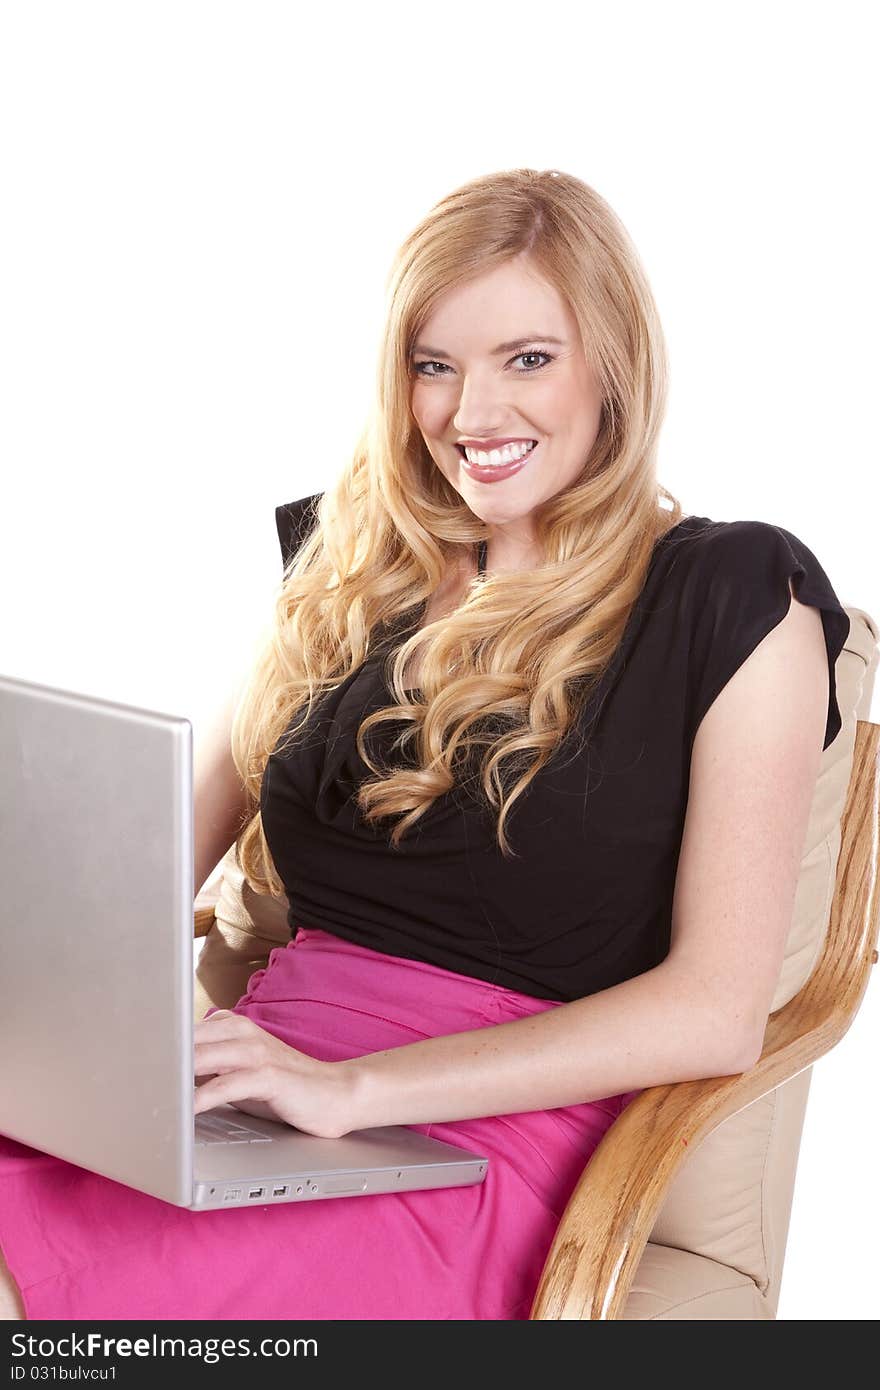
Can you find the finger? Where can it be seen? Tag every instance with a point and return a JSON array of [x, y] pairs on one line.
[[261, 1108], [215, 1015], [222, 1055], [225, 1090], [223, 1024]]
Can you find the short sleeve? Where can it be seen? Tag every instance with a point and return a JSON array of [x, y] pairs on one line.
[[741, 593], [293, 522]]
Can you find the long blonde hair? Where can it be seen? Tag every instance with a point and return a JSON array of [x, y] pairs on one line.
[[509, 670]]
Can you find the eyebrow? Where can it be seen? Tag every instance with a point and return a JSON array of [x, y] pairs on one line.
[[502, 347]]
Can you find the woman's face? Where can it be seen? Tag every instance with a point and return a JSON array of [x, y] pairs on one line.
[[500, 359]]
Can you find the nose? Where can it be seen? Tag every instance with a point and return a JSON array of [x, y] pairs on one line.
[[481, 412]]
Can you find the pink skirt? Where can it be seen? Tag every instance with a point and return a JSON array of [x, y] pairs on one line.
[[84, 1246]]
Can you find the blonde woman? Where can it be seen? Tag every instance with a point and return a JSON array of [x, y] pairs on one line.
[[532, 757]]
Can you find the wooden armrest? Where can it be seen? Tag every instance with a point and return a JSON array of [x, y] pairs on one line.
[[204, 905], [206, 901], [611, 1213], [203, 919]]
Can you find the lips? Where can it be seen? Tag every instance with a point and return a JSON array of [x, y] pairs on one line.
[[489, 474]]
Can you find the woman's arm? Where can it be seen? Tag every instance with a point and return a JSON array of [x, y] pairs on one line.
[[702, 1012], [653, 1029], [219, 802]]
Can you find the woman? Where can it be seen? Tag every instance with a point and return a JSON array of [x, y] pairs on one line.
[[532, 758]]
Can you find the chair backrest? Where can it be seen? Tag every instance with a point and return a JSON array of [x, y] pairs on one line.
[[731, 1201]]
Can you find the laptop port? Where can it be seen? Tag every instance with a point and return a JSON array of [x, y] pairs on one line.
[[232, 1194], [256, 1192], [279, 1191]]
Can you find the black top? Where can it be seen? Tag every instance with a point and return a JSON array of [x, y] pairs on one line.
[[588, 902]]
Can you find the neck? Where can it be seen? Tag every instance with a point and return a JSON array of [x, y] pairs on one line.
[[507, 560]]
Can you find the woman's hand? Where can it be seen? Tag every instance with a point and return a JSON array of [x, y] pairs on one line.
[[252, 1070]]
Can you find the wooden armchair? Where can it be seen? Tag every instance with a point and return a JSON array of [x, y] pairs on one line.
[[682, 1211]]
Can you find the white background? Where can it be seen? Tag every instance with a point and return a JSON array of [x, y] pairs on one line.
[[201, 203]]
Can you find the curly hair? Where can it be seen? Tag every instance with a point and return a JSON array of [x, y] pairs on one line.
[[509, 671]]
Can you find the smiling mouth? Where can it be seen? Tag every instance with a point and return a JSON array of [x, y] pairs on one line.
[[533, 442]]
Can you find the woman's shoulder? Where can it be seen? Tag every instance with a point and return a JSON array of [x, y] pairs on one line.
[[734, 587], [752, 550], [702, 535], [294, 521]]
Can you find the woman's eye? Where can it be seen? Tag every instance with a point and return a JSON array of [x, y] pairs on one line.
[[418, 367]]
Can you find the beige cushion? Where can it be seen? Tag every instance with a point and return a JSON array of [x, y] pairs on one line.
[[675, 1285], [731, 1202]]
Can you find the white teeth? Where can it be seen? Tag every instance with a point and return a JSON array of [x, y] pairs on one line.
[[494, 458]]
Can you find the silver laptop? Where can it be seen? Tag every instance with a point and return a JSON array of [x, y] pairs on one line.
[[96, 976]]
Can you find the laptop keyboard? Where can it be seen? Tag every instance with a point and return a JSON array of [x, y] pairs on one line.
[[214, 1129]]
